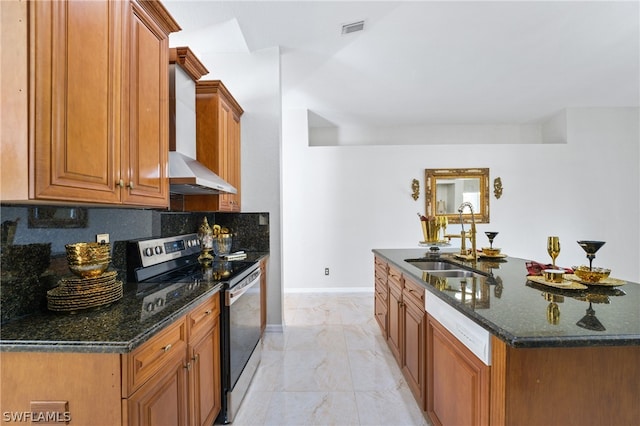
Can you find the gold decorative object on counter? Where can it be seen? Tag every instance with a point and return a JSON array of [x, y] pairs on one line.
[[591, 275], [415, 187], [205, 235], [553, 248], [430, 228], [88, 260]]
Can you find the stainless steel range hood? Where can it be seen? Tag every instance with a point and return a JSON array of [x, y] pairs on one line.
[[187, 176]]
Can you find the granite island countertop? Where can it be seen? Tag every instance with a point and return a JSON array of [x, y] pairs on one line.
[[515, 309], [116, 328]]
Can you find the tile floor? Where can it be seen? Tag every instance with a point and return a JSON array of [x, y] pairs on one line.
[[330, 366]]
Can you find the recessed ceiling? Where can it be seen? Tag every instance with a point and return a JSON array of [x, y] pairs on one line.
[[425, 62]]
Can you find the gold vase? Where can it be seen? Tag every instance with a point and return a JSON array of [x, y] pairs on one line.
[[429, 230]]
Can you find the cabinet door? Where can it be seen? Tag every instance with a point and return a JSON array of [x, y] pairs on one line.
[[396, 320], [413, 366], [233, 159], [381, 313], [457, 380], [75, 92], [146, 144], [224, 151], [163, 399], [205, 386]]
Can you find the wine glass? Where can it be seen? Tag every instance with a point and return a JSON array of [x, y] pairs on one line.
[[553, 248], [490, 236]]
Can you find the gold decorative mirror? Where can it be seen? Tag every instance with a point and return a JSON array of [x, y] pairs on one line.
[[447, 189]]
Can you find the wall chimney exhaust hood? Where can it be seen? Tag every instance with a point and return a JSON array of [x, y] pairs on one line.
[[187, 176]]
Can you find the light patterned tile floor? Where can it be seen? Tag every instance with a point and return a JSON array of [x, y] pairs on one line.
[[330, 366]]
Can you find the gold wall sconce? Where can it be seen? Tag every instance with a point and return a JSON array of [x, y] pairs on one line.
[[415, 187], [497, 187]]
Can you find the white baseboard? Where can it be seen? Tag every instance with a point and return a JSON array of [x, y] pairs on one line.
[[274, 328]]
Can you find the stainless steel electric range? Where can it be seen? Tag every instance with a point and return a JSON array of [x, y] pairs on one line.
[[167, 269]]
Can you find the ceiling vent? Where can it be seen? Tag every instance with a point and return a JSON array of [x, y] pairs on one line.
[[352, 27]]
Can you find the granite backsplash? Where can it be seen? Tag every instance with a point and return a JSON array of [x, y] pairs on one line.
[[36, 260]]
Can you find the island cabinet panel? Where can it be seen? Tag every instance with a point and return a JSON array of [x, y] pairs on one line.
[[42, 376], [381, 298], [568, 386], [414, 339], [457, 381], [97, 104], [396, 314]]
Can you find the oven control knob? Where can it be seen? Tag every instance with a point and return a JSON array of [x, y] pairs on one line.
[[159, 302], [148, 251], [158, 249], [150, 307]]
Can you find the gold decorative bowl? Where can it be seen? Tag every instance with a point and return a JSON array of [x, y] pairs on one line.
[[84, 253], [89, 270], [591, 276], [488, 251]]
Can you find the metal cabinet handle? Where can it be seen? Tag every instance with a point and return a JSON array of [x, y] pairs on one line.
[[187, 366], [130, 185], [120, 183], [208, 312], [167, 348], [196, 358]]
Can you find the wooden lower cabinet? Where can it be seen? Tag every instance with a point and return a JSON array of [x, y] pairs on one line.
[[171, 379], [396, 319], [381, 299], [205, 387], [399, 310], [457, 380], [163, 399], [413, 367]]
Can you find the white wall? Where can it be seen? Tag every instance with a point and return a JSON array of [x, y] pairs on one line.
[[340, 202], [254, 81]]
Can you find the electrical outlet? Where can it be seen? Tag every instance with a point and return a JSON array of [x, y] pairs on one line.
[[102, 238], [326, 271]]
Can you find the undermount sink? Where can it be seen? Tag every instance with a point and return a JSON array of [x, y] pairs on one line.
[[441, 269], [431, 265], [453, 273]]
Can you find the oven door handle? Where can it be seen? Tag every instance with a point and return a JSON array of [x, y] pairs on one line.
[[233, 294]]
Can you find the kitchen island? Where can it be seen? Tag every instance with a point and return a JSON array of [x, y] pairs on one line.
[[552, 356]]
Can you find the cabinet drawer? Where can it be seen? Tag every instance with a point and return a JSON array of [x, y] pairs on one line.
[[382, 290], [202, 318], [380, 264], [395, 277], [155, 354], [414, 292]]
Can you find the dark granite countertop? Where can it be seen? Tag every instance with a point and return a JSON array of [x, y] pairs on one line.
[[117, 328], [515, 309]]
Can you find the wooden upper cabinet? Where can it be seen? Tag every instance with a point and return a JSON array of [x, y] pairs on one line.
[[146, 149], [74, 99], [97, 104], [218, 143]]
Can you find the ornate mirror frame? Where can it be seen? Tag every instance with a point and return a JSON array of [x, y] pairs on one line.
[[433, 177]]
